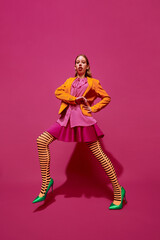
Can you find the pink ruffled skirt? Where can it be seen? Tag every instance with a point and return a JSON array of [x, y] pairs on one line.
[[75, 134]]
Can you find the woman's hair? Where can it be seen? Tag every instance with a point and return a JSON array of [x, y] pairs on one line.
[[88, 71]]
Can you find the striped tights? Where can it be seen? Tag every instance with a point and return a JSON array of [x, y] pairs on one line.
[[105, 162], [43, 142]]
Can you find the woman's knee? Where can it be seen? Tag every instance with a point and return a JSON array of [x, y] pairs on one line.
[[45, 138]]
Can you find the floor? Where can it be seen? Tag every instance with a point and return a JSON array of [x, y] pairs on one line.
[[67, 213]]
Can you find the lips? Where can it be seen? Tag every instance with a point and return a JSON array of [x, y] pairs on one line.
[[80, 68]]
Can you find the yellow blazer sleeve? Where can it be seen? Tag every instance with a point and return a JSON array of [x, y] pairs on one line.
[[103, 95], [62, 94]]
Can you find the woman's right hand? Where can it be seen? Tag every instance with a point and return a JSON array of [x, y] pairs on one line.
[[81, 100]]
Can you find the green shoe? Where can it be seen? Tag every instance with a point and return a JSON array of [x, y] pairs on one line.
[[114, 206], [39, 199]]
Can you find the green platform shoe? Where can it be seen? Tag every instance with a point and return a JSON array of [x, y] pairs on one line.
[[39, 199], [114, 206]]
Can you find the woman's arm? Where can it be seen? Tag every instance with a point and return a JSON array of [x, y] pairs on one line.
[[63, 95], [102, 94]]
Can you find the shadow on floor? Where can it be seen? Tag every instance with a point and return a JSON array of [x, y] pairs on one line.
[[85, 176]]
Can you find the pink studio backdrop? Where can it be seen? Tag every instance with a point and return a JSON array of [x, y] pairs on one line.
[[39, 42]]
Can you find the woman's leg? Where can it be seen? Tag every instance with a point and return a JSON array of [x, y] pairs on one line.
[[97, 151], [43, 142]]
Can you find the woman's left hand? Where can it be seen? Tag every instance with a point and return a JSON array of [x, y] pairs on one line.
[[86, 107]]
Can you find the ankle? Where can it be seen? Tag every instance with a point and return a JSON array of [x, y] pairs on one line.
[[117, 195]]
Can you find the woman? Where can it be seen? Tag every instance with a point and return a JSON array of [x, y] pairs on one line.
[[76, 124]]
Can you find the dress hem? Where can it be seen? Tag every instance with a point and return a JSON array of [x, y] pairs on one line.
[[75, 134]]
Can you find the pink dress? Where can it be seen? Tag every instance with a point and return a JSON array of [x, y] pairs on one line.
[[73, 125]]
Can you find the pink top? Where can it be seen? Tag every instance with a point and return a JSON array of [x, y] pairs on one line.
[[73, 112]]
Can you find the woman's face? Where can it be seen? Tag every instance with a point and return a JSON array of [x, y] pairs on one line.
[[81, 65]]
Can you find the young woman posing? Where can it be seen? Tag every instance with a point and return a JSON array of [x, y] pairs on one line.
[[76, 124]]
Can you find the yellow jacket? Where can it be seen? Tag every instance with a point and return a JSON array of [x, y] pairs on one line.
[[93, 91]]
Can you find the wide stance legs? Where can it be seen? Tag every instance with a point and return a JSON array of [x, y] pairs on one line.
[[43, 142]]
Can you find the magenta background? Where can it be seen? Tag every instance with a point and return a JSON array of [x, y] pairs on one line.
[[39, 41]]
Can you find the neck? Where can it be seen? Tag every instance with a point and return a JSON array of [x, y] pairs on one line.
[[81, 76]]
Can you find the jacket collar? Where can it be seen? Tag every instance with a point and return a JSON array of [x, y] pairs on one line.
[[90, 82]]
